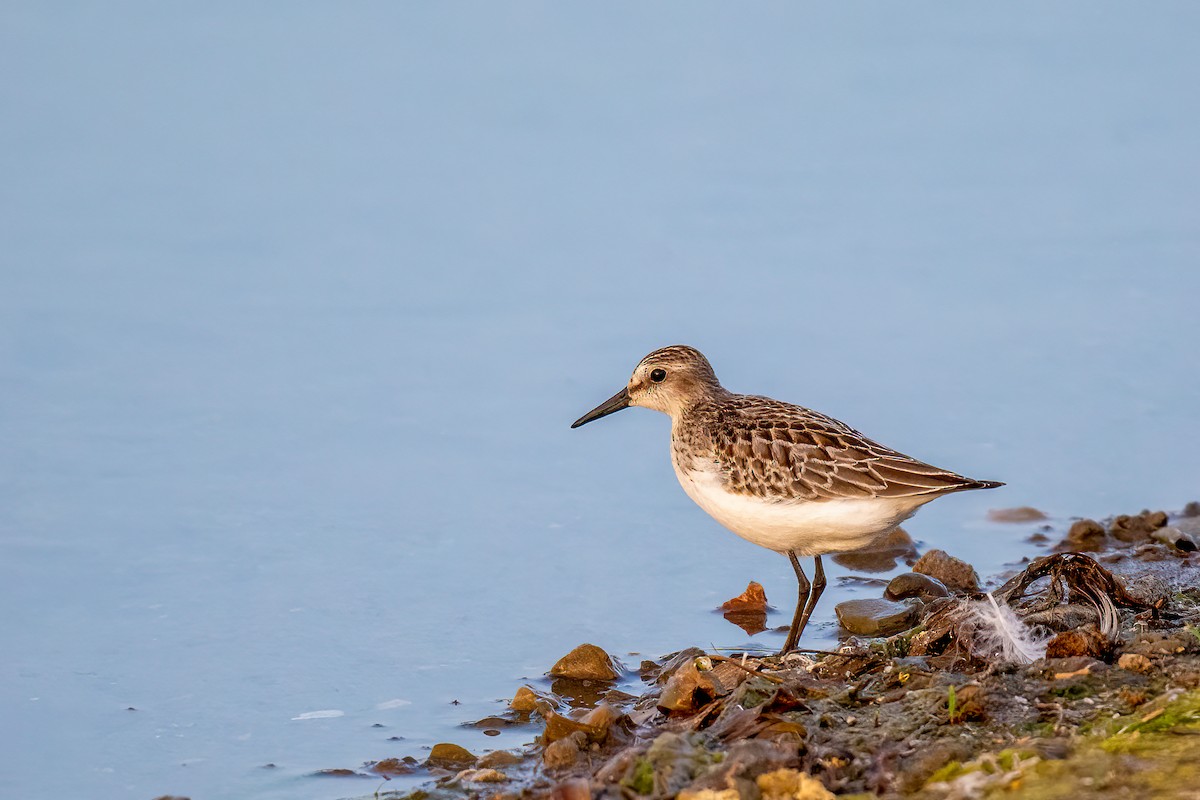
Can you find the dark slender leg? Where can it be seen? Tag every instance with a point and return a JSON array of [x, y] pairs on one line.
[[818, 586], [799, 618]]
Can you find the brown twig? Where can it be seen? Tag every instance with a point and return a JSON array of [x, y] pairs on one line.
[[737, 663]]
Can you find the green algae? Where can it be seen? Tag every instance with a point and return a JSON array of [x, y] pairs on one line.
[[1154, 752]]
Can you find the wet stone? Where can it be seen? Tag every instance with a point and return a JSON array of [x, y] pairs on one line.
[[564, 752], [689, 687], [955, 573], [450, 755], [524, 701], [1183, 541], [1085, 534], [481, 776], [587, 662], [1133, 529], [914, 584], [753, 600], [868, 617], [498, 758], [392, 766]]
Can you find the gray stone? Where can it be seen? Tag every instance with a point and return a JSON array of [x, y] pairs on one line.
[[870, 617], [914, 584]]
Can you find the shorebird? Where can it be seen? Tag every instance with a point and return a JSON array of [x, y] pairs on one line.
[[784, 477]]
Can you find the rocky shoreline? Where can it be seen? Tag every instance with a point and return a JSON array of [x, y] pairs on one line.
[[1082, 671]]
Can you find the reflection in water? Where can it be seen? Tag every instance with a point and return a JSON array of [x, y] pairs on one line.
[[883, 556]]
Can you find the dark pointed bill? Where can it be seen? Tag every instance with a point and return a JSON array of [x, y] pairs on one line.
[[612, 405]]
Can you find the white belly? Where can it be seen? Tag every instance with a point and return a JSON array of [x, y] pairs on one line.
[[808, 527]]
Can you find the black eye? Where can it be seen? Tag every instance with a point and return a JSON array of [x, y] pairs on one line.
[[658, 375]]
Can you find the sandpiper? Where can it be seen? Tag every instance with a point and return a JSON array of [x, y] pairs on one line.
[[781, 476]]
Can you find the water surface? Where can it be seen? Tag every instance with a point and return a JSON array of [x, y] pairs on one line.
[[298, 302]]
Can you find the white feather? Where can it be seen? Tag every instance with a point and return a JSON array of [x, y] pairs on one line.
[[998, 632]]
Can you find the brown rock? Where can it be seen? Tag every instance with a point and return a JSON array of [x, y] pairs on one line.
[[594, 725], [954, 572], [481, 776], [574, 789], [1086, 535], [1183, 541], [689, 687], [450, 756], [587, 662], [498, 758], [914, 584], [391, 766], [526, 700], [1137, 528], [754, 599], [748, 610], [790, 784], [660, 674], [1135, 662], [1078, 642], [868, 617], [1019, 514], [1192, 509], [564, 752]]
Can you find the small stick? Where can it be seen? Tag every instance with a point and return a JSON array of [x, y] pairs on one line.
[[742, 666]]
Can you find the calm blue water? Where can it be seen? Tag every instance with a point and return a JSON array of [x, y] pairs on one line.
[[298, 300]]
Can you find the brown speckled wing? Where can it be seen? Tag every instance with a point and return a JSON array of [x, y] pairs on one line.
[[770, 449]]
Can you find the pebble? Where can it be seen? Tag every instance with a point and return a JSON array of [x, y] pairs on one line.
[[587, 662], [481, 776], [753, 600], [565, 752], [869, 617], [499, 758], [1135, 662], [1180, 540], [914, 584], [1137, 528], [686, 685], [1085, 534], [791, 784], [446, 754], [526, 700], [1078, 642], [955, 573]]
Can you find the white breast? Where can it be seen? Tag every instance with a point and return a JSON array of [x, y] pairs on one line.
[[808, 527]]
